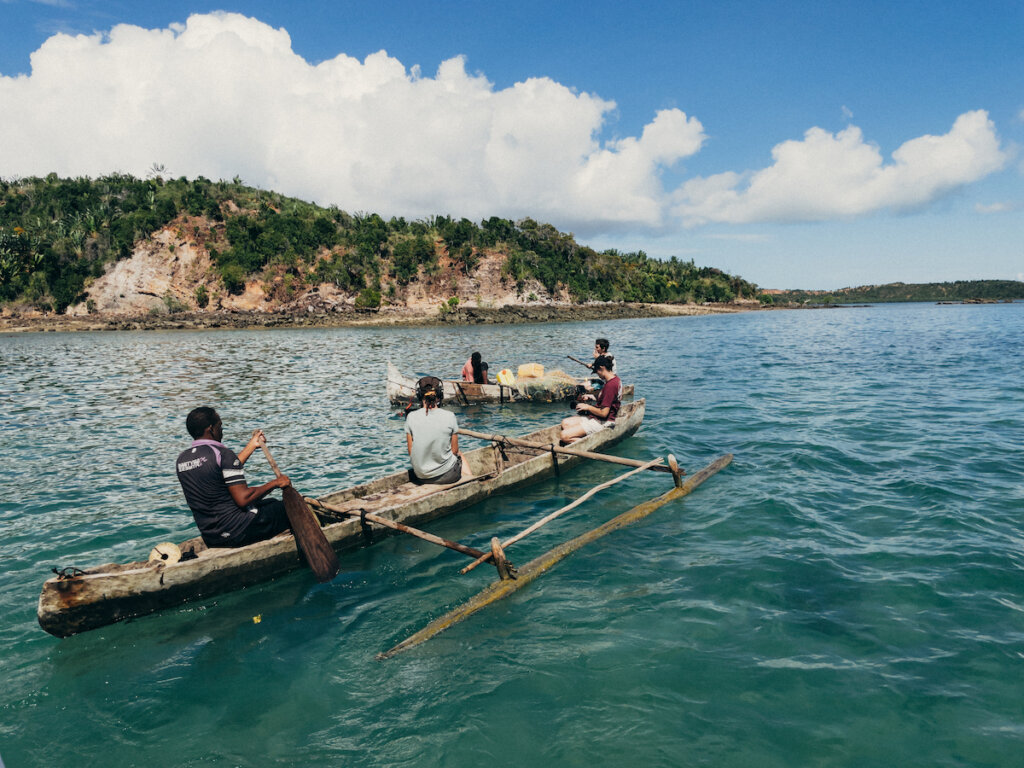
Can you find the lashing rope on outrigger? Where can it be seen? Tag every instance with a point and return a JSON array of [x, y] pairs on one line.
[[68, 572]]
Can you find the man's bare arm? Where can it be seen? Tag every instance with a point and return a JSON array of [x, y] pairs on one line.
[[244, 495], [255, 442]]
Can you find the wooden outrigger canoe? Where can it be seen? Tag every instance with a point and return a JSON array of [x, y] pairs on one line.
[[401, 389], [95, 597]]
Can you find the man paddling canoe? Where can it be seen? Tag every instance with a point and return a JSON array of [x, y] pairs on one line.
[[227, 511]]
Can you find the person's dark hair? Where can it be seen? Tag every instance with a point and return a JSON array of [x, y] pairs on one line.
[[479, 377], [601, 344], [430, 390], [603, 361], [199, 420]]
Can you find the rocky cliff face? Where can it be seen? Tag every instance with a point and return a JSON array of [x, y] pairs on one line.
[[171, 270], [164, 271], [160, 271]]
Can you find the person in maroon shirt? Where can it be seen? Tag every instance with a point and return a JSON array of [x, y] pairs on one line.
[[594, 418]]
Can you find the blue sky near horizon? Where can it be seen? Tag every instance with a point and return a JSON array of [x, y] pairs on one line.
[[756, 137]]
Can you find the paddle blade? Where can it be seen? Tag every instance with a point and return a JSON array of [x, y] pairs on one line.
[[310, 536]]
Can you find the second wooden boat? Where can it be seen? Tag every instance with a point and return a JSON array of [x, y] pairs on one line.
[[402, 390]]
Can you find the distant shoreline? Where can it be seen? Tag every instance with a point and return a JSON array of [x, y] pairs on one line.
[[398, 317], [384, 318]]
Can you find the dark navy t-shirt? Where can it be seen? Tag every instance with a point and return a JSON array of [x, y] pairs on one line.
[[205, 471]]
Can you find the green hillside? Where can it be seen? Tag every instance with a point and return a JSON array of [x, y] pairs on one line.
[[56, 234]]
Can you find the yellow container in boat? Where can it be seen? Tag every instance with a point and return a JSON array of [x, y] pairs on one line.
[[507, 378], [531, 371]]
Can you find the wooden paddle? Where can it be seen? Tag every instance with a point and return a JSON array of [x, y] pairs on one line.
[[577, 360], [307, 531]]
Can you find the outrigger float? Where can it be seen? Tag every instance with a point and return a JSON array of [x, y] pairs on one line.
[[401, 390], [79, 600]]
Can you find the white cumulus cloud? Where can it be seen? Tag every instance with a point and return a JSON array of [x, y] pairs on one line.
[[828, 176], [226, 95]]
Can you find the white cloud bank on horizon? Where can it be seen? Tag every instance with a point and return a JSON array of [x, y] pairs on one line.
[[225, 95], [829, 176]]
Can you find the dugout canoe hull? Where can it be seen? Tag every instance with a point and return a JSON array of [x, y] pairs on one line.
[[402, 388], [114, 592]]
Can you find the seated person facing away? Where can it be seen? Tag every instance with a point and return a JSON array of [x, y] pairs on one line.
[[475, 370], [594, 418], [227, 511], [431, 435]]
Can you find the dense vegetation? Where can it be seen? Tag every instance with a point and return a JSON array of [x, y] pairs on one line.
[[961, 290], [57, 233]]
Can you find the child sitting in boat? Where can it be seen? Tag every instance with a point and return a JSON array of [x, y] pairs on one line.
[[227, 511], [431, 436]]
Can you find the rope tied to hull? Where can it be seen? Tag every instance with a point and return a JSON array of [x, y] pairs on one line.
[[364, 526]]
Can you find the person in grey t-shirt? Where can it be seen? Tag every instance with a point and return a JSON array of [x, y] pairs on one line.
[[431, 435]]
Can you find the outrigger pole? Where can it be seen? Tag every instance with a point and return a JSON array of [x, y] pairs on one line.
[[497, 555], [535, 568], [401, 527], [552, 447], [548, 518]]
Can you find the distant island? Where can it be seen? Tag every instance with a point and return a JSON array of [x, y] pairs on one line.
[[971, 291], [119, 251]]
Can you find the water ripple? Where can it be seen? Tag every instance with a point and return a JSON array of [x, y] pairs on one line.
[[846, 593]]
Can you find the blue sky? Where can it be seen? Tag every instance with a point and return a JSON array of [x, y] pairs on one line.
[[798, 144]]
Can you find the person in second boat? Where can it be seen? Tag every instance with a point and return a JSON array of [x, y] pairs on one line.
[[600, 349], [475, 370], [431, 435], [601, 414]]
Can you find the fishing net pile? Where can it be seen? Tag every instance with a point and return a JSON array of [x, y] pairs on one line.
[[551, 387]]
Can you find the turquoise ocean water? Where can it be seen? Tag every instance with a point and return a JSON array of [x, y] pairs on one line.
[[848, 593]]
